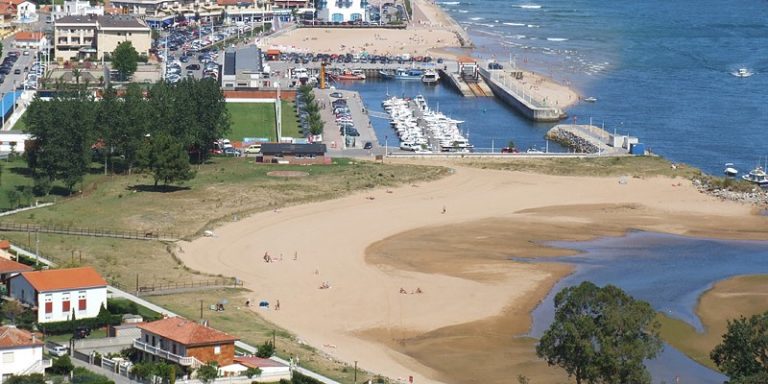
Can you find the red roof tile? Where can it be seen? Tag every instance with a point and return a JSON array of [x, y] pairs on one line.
[[257, 362], [12, 337], [28, 36], [10, 266], [5, 244], [61, 279], [187, 332]]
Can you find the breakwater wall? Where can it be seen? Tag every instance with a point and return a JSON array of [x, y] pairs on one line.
[[585, 139], [525, 104]]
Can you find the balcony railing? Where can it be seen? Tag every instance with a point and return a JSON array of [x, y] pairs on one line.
[[185, 361]]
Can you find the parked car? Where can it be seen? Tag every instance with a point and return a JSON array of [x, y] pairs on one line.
[[336, 95], [17, 71], [56, 349], [368, 145], [253, 149], [81, 332], [232, 152]]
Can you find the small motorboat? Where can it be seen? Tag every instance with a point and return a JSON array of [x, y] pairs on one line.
[[730, 170], [591, 99], [742, 72], [350, 75], [430, 76], [757, 176]]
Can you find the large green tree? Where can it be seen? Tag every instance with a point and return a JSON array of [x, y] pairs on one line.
[[64, 131], [601, 335], [743, 353], [166, 159], [125, 59]]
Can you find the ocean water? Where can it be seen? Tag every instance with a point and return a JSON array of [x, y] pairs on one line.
[[661, 70], [670, 272]]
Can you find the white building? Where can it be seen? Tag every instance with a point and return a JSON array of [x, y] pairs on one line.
[[21, 353], [13, 141], [30, 40], [342, 10], [60, 293], [26, 12], [78, 8]]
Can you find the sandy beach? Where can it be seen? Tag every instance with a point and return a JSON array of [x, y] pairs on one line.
[[449, 239]]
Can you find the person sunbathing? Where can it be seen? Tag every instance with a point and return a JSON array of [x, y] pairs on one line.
[[402, 290]]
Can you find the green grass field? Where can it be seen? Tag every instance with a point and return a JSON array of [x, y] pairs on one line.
[[258, 120]]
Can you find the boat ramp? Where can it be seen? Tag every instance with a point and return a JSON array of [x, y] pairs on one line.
[[593, 139], [464, 76]]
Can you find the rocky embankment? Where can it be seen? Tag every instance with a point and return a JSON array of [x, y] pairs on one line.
[[572, 141], [716, 187]]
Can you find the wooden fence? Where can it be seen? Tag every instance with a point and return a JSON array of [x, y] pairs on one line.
[[94, 232]]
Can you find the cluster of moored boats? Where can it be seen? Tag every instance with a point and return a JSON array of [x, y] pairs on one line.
[[429, 76], [757, 176], [422, 129]]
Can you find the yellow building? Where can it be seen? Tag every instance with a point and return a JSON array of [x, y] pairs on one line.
[[90, 37]]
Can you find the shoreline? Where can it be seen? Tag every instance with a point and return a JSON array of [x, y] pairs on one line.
[[471, 283], [432, 32]]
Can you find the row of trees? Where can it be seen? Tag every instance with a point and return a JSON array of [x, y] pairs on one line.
[[603, 335], [314, 119], [155, 130]]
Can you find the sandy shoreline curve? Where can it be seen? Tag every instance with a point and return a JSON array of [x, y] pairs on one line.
[[457, 258]]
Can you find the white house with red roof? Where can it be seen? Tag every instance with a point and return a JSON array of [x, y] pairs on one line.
[[58, 294], [271, 370], [21, 353]]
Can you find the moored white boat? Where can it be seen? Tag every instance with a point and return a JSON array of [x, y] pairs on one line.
[[757, 176], [430, 76], [730, 170]]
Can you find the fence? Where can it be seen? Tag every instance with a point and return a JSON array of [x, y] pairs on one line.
[[94, 232], [165, 288]]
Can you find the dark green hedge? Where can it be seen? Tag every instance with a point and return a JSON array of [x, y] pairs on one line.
[[66, 327]]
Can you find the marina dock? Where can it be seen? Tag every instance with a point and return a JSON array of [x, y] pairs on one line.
[[503, 85], [592, 139]]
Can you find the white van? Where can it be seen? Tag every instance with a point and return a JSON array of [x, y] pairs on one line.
[[409, 146]]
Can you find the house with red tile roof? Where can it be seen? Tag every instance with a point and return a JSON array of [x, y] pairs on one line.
[[60, 294], [21, 353], [10, 268], [27, 39], [185, 342]]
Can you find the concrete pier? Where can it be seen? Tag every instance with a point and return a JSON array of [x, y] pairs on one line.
[[586, 139], [503, 87]]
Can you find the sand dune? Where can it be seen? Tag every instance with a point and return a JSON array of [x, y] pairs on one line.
[[464, 274]]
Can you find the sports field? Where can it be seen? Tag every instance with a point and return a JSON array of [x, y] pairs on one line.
[[258, 120]]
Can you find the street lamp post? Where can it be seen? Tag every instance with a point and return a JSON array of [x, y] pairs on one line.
[[355, 371], [386, 145], [278, 113]]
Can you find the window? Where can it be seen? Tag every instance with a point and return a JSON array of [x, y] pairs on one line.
[[65, 303], [7, 357], [217, 349], [48, 304], [81, 305]]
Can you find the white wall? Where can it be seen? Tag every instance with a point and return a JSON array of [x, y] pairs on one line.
[[18, 138], [22, 358], [95, 298]]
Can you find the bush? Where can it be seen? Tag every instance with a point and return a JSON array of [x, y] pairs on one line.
[[66, 327], [34, 378], [84, 376], [61, 366], [122, 307], [266, 350], [251, 372], [298, 378]]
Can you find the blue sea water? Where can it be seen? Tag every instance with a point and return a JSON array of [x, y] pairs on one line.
[[661, 70], [670, 272]]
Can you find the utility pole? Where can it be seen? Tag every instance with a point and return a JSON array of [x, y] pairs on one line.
[[37, 247], [201, 308], [355, 371]]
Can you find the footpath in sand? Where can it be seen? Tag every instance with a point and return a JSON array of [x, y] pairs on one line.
[[450, 239]]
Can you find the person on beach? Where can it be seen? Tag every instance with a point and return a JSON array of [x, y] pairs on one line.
[[277, 305], [403, 291], [267, 258], [443, 210]]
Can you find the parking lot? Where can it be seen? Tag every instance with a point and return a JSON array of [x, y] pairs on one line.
[[193, 51], [355, 120]]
